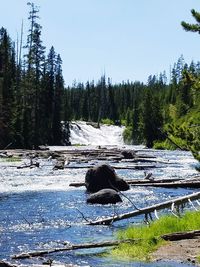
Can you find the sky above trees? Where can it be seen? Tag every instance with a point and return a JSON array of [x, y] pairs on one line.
[[125, 39]]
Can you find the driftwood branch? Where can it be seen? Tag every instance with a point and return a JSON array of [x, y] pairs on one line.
[[181, 235], [31, 165], [159, 206], [167, 237], [181, 183], [73, 247]]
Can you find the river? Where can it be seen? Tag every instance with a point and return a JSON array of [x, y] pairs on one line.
[[39, 210]]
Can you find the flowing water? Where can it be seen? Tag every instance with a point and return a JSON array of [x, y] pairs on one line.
[[40, 211], [85, 134]]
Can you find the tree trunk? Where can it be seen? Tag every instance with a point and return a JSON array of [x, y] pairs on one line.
[[159, 206], [181, 235], [73, 247]]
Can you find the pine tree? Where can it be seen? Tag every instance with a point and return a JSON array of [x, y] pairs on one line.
[[136, 135], [58, 97], [48, 94], [35, 62], [7, 86], [152, 120], [192, 27]]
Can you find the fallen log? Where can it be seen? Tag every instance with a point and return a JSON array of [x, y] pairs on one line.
[[184, 184], [167, 237], [157, 181], [135, 182], [136, 167], [32, 165], [138, 159], [146, 210], [73, 247], [77, 184], [181, 235]]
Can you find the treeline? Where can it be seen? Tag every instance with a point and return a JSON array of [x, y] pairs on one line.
[[149, 111], [119, 104], [31, 90], [35, 107]]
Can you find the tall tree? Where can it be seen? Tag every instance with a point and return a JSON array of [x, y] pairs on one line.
[[152, 120], [58, 97], [35, 62], [7, 83]]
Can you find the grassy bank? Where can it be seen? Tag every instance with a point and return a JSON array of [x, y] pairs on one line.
[[150, 235]]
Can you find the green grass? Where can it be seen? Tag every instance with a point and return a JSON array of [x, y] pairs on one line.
[[150, 235]]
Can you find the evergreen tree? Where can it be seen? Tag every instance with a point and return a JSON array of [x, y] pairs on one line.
[[152, 120], [31, 83], [192, 27], [7, 85], [112, 112], [136, 135], [58, 96]]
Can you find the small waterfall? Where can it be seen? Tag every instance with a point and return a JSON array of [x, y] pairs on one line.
[[84, 133]]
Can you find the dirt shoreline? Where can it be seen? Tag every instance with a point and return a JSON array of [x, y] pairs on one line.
[[184, 251]]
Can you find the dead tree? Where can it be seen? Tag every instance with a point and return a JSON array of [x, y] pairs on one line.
[[147, 210]]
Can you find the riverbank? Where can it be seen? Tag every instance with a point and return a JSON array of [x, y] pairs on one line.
[[183, 251], [165, 239]]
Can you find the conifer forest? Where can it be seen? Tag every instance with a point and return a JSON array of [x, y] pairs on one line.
[[36, 106]]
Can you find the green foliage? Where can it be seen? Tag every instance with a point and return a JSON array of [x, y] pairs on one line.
[[185, 131], [107, 121], [149, 236], [151, 120], [164, 145], [127, 135], [192, 27], [198, 258], [123, 122], [31, 98]]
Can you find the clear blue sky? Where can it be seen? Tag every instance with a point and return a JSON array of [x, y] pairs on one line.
[[128, 39]]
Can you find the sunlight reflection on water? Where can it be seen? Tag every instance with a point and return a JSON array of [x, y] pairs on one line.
[[39, 210]]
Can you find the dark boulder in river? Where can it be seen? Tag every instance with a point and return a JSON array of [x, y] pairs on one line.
[[6, 264], [104, 196], [104, 176], [128, 154]]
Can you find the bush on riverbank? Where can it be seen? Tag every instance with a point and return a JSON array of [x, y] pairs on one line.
[[107, 121], [150, 235], [127, 136], [164, 145], [198, 258]]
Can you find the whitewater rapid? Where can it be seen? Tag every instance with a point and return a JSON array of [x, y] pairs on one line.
[[40, 210], [85, 134]]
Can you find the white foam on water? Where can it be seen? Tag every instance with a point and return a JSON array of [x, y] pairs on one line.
[[84, 134], [15, 180], [181, 164]]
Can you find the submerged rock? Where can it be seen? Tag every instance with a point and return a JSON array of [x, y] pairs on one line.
[[6, 264], [128, 154], [104, 196]]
